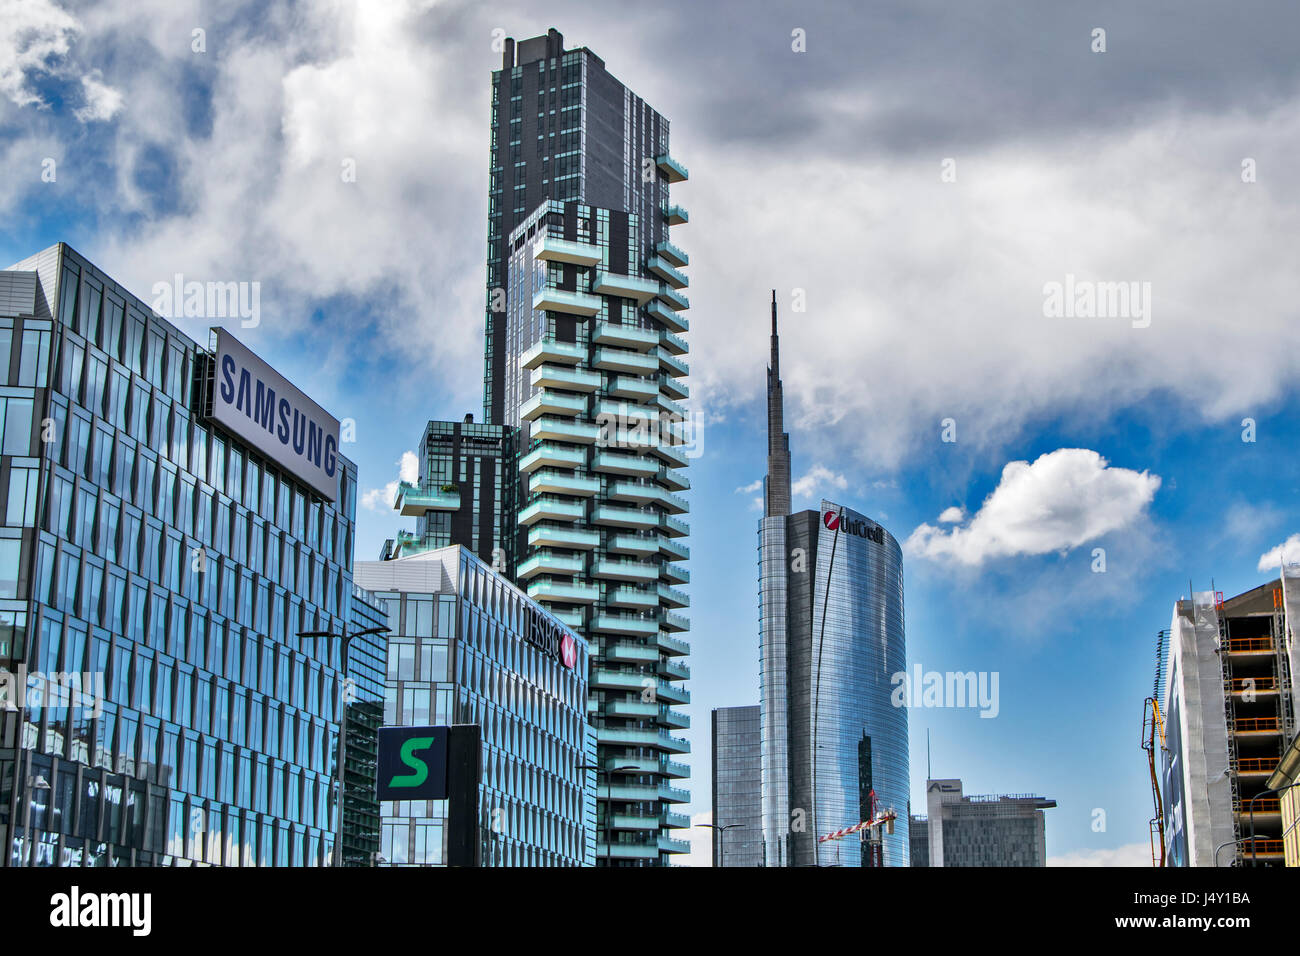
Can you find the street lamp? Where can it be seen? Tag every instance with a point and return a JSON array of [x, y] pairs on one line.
[[609, 800], [722, 838], [347, 639]]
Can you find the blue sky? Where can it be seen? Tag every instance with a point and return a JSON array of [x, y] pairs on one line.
[[910, 183]]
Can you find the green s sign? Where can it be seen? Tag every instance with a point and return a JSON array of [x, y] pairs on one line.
[[412, 763]]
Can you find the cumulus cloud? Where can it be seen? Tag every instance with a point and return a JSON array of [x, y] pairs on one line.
[[818, 478], [382, 499], [1288, 552], [1058, 502], [36, 41], [952, 515], [1130, 854], [750, 488]]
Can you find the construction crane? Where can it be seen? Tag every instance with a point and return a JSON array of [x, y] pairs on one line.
[[880, 820]]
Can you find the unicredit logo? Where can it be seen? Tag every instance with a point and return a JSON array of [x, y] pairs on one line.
[[569, 651], [863, 529]]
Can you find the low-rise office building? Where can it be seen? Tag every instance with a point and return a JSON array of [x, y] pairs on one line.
[[468, 647], [986, 830]]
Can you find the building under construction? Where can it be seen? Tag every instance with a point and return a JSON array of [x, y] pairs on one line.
[[1221, 716], [986, 830]]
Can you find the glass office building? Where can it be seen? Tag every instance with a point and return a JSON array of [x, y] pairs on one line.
[[172, 566], [462, 651], [831, 637], [737, 793]]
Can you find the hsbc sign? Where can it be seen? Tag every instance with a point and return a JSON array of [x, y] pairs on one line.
[[839, 521], [551, 638]]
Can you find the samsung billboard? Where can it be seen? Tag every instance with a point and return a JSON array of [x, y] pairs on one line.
[[257, 404]]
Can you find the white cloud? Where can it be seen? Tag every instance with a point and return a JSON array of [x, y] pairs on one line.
[[382, 499], [952, 515], [818, 478], [1131, 854], [36, 38], [701, 853], [1288, 551], [1066, 497], [102, 101], [750, 488]]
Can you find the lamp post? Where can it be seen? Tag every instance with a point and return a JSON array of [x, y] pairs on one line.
[[609, 800], [722, 838], [346, 637]]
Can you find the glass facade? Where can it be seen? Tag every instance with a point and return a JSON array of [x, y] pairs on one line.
[[457, 654], [363, 696], [172, 568], [737, 801], [840, 568]]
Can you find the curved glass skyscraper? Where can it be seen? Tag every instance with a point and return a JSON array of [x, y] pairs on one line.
[[831, 638]]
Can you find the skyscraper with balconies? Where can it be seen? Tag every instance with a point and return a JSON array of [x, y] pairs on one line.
[[585, 362]]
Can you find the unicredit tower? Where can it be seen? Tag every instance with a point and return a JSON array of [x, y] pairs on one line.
[[830, 640]]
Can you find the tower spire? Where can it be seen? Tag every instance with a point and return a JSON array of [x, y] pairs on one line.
[[776, 485]]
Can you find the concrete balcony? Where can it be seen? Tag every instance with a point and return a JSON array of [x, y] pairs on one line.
[[625, 336], [669, 844], [675, 622], [666, 404], [565, 591], [635, 544], [675, 821], [573, 379], [621, 652], [551, 508], [549, 428], [622, 570], [621, 360], [676, 216], [628, 821], [673, 693], [673, 597], [672, 364], [640, 389], [626, 851], [674, 527], [673, 670], [626, 287], [551, 562], [575, 618], [674, 718], [617, 517], [674, 573], [610, 679], [551, 455], [554, 249], [559, 300], [674, 299], [632, 597], [550, 481], [673, 254], [611, 623], [619, 463], [673, 794], [672, 343], [674, 321], [623, 410], [550, 350], [674, 478], [554, 536], [664, 270], [673, 550], [412, 502], [674, 456], [673, 171], [670, 644], [674, 388], [548, 402]]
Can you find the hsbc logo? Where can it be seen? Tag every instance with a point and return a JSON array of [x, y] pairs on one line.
[[837, 520], [552, 638]]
